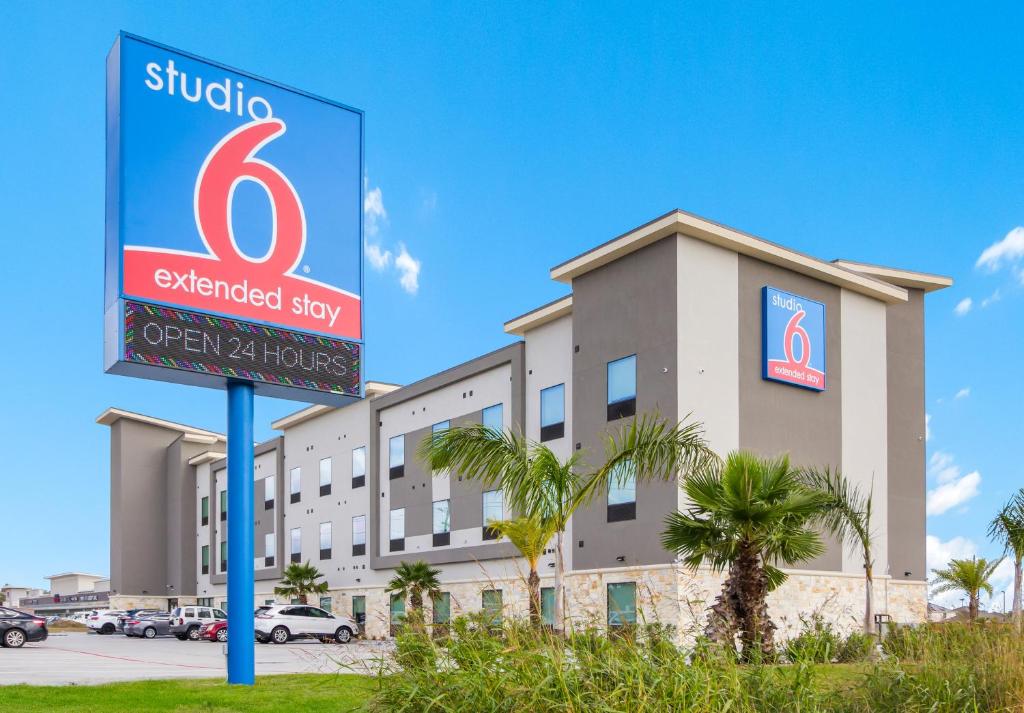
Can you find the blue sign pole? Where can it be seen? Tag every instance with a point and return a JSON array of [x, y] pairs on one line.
[[241, 641]]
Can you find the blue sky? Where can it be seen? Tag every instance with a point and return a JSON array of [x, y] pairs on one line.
[[501, 141]]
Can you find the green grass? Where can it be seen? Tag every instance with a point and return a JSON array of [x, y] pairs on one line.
[[291, 693]]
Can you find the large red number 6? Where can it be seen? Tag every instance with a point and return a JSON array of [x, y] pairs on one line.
[[230, 162]]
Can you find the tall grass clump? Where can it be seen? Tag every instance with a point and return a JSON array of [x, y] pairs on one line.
[[950, 667], [517, 668]]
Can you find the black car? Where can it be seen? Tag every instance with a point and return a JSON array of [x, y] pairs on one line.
[[17, 627]]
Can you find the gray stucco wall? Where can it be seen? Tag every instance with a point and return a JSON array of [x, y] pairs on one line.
[[623, 308], [777, 418], [905, 389]]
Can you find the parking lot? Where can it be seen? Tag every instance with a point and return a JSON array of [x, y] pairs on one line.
[[79, 658]]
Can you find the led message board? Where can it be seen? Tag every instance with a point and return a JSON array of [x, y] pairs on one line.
[[234, 202], [793, 333]]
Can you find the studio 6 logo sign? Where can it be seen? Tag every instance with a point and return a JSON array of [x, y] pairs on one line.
[[225, 279], [794, 339]]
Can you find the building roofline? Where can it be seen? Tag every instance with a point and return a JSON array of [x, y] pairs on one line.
[[373, 389], [929, 282], [694, 226], [541, 315], [112, 415], [76, 574], [206, 457]]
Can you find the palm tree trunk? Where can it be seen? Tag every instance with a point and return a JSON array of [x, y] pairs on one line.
[[559, 583], [304, 597], [751, 592], [972, 607], [869, 600], [1017, 591], [533, 583]]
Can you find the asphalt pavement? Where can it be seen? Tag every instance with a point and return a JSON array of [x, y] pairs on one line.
[[78, 658]]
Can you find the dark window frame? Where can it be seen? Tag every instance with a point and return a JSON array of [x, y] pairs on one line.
[[325, 490], [442, 539], [489, 533], [395, 472], [622, 409], [358, 481], [359, 550], [396, 545], [268, 504], [296, 557], [295, 497], [268, 561], [325, 554]]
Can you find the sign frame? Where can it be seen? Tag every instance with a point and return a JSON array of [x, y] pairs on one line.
[[115, 299], [766, 292]]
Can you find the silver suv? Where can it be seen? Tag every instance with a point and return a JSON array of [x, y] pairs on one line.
[[187, 621]]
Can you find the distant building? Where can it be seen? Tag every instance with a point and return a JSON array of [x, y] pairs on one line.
[[14, 595], [70, 592]]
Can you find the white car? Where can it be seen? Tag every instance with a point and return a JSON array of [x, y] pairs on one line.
[[281, 623], [105, 621]]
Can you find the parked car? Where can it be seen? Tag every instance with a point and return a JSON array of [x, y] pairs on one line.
[[283, 622], [214, 631], [148, 626], [17, 627], [136, 613], [187, 621], [105, 621]]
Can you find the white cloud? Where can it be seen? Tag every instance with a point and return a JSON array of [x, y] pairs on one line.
[[942, 467], [373, 209], [991, 299], [963, 393], [378, 257], [410, 269], [1010, 249], [927, 427], [952, 493], [963, 307]]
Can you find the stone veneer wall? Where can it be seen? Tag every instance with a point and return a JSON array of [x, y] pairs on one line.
[[669, 594]]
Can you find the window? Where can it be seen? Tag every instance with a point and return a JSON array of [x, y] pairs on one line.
[[359, 609], [443, 426], [325, 603], [493, 418], [221, 613], [206, 559], [204, 601], [621, 604], [622, 492], [205, 507], [359, 467], [622, 388], [493, 509], [325, 476], [223, 505], [325, 540], [552, 412], [442, 609], [491, 601], [296, 544], [398, 530], [268, 602], [396, 457], [397, 612], [204, 614], [547, 606], [295, 485], [269, 549], [269, 485], [224, 556], [358, 535], [442, 524]]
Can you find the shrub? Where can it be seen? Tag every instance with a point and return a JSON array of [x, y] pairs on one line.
[[856, 648], [817, 642]]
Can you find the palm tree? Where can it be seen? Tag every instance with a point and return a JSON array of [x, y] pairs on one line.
[[299, 581], [746, 517], [530, 535], [537, 483], [848, 516], [413, 580], [1008, 528], [969, 576]]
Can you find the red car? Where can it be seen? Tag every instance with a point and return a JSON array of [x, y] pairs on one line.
[[215, 631]]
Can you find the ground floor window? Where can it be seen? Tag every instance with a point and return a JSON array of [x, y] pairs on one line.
[[224, 604], [621, 604], [397, 612], [547, 606], [359, 609], [491, 602], [204, 601], [442, 606], [325, 603], [268, 602]]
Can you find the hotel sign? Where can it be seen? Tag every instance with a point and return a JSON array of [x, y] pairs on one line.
[[234, 221], [793, 339]]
